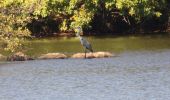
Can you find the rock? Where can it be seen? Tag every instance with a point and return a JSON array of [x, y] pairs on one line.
[[93, 55], [102, 54], [19, 56], [53, 56], [2, 57], [82, 55]]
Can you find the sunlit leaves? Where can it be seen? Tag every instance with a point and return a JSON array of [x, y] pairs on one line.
[[81, 18], [13, 17], [41, 8], [16, 14], [64, 26], [140, 9], [158, 14]]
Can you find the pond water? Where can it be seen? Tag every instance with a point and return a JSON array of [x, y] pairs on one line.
[[140, 71], [130, 76], [107, 43]]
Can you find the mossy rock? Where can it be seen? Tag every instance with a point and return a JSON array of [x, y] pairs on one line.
[[19, 56]]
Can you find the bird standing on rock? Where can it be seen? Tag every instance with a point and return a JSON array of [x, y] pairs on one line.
[[84, 42]]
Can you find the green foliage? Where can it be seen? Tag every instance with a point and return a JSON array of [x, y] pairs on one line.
[[140, 9], [73, 13], [16, 14], [13, 19]]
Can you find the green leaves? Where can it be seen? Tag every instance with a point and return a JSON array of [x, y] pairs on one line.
[[14, 18], [16, 14], [158, 14]]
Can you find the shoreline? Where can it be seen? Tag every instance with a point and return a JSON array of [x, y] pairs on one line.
[[72, 34], [57, 56]]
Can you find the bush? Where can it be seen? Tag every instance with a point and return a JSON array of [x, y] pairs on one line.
[[18, 16]]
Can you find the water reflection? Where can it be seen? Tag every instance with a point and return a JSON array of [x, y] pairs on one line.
[[112, 44], [119, 44]]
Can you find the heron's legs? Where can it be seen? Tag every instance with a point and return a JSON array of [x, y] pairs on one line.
[[85, 53]]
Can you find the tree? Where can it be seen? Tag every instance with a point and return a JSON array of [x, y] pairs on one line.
[[98, 15]]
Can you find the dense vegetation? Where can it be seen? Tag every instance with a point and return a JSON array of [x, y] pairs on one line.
[[25, 18]]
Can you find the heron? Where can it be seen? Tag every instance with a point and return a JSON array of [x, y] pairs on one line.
[[84, 42]]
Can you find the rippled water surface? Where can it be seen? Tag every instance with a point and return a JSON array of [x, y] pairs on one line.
[[140, 71], [135, 75]]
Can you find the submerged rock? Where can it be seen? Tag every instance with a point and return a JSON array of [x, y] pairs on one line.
[[100, 54], [53, 56], [19, 56]]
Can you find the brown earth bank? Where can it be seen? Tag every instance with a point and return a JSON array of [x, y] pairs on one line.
[[71, 34], [121, 28], [146, 29]]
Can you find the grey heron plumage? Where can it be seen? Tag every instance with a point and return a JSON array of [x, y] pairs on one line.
[[84, 42]]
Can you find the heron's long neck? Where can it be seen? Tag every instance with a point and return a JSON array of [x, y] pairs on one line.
[[78, 35]]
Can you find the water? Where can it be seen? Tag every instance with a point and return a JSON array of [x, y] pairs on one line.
[[112, 44], [140, 72], [132, 75]]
